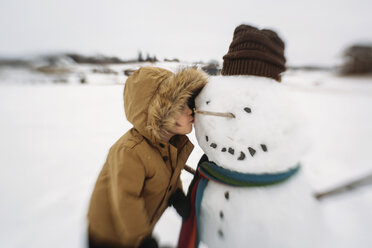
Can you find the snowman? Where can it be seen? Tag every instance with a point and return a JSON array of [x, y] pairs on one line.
[[250, 190]]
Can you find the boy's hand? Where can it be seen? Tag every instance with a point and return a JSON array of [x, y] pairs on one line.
[[148, 242], [179, 201]]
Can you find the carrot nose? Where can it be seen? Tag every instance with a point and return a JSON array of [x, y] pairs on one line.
[[228, 115]]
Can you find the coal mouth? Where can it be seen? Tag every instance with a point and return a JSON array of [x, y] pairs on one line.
[[232, 151]]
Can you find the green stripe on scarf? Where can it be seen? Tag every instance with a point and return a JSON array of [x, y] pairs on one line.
[[211, 171]]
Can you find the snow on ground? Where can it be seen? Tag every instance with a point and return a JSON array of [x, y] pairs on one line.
[[55, 138]]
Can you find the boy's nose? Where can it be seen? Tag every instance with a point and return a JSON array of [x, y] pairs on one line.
[[189, 111]]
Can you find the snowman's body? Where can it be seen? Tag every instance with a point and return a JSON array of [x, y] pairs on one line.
[[263, 138], [273, 216]]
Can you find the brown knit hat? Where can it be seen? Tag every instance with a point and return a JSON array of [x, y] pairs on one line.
[[255, 52]]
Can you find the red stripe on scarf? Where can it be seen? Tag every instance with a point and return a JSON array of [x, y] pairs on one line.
[[187, 237]]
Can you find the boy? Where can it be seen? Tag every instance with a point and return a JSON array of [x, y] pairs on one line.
[[143, 167]]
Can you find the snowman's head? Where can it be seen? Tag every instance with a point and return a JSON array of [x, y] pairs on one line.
[[247, 124]]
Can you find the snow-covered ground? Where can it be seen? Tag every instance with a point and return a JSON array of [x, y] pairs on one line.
[[55, 138]]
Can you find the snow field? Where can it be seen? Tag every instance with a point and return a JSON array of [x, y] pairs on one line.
[[55, 138]]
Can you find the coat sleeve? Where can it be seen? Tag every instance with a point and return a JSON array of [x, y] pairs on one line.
[[127, 180]]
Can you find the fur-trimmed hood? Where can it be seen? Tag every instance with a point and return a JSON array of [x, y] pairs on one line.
[[152, 97]]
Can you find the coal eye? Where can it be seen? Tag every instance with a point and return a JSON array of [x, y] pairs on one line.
[[207, 102], [248, 110], [264, 147]]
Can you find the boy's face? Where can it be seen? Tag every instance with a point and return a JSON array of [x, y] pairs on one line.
[[184, 120]]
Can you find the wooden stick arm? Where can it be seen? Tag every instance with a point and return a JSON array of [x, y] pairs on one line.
[[363, 181], [189, 169]]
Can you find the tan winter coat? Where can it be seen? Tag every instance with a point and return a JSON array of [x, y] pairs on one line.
[[141, 172]]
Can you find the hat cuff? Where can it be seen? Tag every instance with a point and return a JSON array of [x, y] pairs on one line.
[[251, 67]]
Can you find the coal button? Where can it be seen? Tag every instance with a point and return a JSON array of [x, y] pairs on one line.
[[227, 195]]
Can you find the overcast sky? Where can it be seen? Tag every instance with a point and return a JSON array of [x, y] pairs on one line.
[[315, 31]]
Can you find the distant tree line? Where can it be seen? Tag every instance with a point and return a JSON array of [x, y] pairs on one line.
[[100, 59], [147, 59], [81, 59]]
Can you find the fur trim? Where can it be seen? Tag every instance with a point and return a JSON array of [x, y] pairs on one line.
[[170, 98]]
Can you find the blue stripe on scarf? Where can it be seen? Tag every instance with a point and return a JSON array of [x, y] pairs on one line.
[[199, 196], [254, 179]]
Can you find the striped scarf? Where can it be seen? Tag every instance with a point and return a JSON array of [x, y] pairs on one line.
[[218, 174], [207, 171]]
